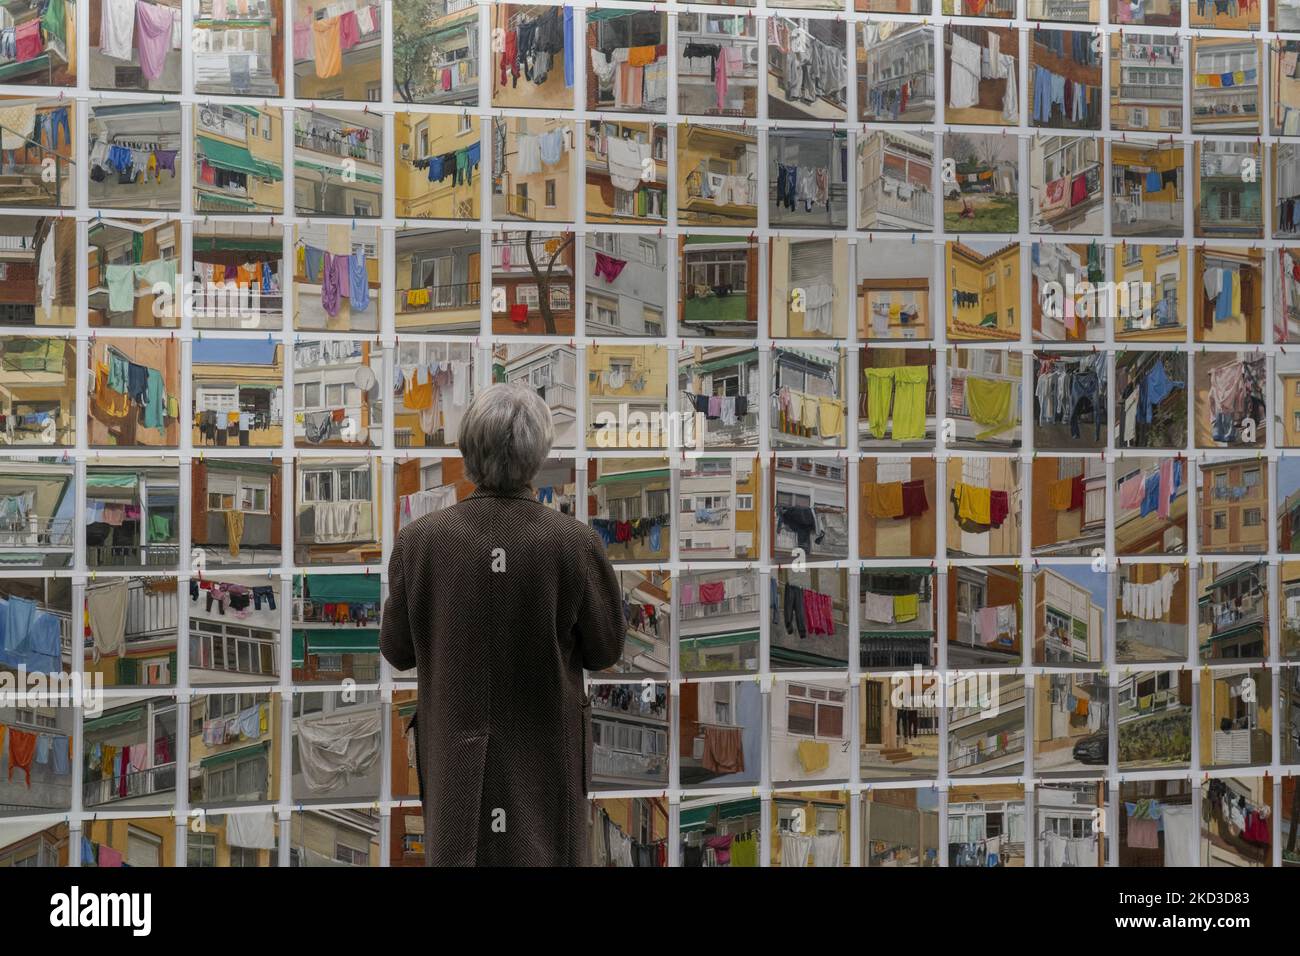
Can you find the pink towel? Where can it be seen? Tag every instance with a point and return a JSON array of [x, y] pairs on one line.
[[108, 856], [153, 37], [1130, 492], [1166, 487]]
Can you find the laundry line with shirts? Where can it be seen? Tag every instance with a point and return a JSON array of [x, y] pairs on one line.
[[818, 415], [324, 40], [439, 390]]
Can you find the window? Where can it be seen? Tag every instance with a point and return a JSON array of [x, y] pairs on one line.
[[1251, 518], [1220, 521], [744, 502], [550, 194], [239, 493], [201, 849], [814, 711]]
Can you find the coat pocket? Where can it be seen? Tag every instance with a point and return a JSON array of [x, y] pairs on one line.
[[414, 728], [588, 751]]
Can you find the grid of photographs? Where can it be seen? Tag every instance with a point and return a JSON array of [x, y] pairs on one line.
[[957, 533]]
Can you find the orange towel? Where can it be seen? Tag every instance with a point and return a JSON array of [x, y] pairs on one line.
[[640, 55], [329, 54]]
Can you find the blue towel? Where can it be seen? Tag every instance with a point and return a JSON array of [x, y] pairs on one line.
[[60, 755], [21, 614], [1151, 494], [358, 283], [1154, 183], [312, 263], [88, 853]]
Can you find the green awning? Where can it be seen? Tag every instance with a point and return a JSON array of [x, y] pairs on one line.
[[216, 200], [110, 480], [237, 159], [648, 474], [696, 818], [790, 656], [116, 719], [236, 244], [327, 171], [720, 640], [23, 67], [343, 587], [239, 753], [738, 359], [739, 808], [341, 640]]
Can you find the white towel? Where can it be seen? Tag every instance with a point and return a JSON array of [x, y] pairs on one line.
[[625, 162], [106, 608], [1179, 834], [965, 73], [117, 29], [254, 831]]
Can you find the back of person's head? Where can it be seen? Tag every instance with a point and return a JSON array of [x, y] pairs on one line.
[[505, 436]]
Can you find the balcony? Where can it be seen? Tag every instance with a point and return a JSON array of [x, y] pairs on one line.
[[133, 555], [975, 757], [739, 604], [636, 768], [152, 781], [1143, 93], [453, 295], [1233, 614], [36, 532], [332, 143], [917, 210]]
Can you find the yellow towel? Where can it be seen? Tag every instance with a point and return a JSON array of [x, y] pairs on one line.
[[814, 756], [811, 407], [1058, 494], [234, 531], [972, 503], [832, 418], [880, 395], [884, 499], [989, 404], [904, 608], [911, 382]]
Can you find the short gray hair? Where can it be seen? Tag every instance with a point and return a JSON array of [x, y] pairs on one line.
[[505, 436]]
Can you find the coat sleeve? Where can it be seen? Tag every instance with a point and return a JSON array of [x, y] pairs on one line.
[[601, 627], [395, 630]]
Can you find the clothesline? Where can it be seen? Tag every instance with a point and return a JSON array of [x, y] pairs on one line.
[[153, 30], [30, 748], [338, 275], [324, 40]]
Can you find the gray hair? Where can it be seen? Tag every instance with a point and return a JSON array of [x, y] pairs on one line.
[[505, 436]]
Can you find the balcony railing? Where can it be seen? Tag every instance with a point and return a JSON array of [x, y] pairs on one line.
[[918, 208], [1151, 94], [1233, 614], [36, 532], [973, 758], [139, 783], [453, 295], [133, 555], [740, 604], [322, 142]]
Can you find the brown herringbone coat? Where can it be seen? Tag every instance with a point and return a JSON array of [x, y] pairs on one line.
[[503, 726]]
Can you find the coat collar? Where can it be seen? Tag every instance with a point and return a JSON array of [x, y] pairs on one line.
[[524, 494]]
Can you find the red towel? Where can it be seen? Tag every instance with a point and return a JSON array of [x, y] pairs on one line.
[[915, 503], [712, 593], [519, 313], [998, 508], [1076, 492]]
